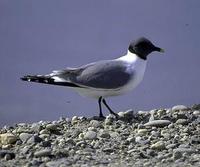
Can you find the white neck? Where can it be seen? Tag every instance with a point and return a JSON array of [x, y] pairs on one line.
[[130, 57]]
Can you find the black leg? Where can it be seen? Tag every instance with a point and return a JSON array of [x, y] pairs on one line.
[[111, 111], [100, 108]]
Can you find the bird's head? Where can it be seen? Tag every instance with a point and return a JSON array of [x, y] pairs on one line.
[[143, 47]]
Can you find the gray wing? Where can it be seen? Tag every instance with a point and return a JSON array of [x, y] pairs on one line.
[[104, 74]]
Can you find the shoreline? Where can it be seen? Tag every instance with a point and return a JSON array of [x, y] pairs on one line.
[[160, 137]]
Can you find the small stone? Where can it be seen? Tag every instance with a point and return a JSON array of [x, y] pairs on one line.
[[104, 134], [42, 153], [7, 138], [109, 150], [189, 151], [8, 157], [52, 127], [25, 149], [196, 112], [140, 140], [95, 123], [142, 132], [155, 133], [127, 114], [195, 139], [36, 127], [132, 150], [25, 136], [177, 155], [109, 120], [171, 146], [161, 112], [170, 126], [44, 136], [160, 145], [179, 108], [46, 144], [158, 123], [182, 121], [168, 111], [34, 139], [35, 162], [74, 119], [90, 135], [44, 131], [114, 134], [3, 153], [121, 114], [151, 152], [81, 136], [80, 143]]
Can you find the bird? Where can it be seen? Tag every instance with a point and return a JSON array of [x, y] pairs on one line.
[[105, 78]]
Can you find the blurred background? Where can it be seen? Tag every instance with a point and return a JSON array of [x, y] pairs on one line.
[[37, 37]]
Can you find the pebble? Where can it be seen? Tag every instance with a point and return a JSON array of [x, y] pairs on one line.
[[95, 123], [8, 157], [160, 145], [34, 139], [196, 112], [90, 135], [182, 121], [104, 134], [169, 146], [25, 136], [7, 138], [142, 132], [74, 120], [177, 155], [9, 154], [42, 153], [158, 123], [185, 150], [179, 107], [127, 114], [44, 131], [109, 120], [52, 127], [114, 134], [140, 140]]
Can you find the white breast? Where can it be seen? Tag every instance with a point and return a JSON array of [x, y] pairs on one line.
[[137, 66]]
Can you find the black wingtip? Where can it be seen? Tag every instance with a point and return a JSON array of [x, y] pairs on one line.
[[24, 78], [29, 78]]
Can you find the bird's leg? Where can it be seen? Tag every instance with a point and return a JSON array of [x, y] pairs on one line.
[[111, 111], [100, 108]]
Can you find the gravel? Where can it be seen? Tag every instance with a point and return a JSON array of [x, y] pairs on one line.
[[160, 137]]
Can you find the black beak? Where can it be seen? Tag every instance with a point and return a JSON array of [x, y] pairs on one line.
[[159, 49]]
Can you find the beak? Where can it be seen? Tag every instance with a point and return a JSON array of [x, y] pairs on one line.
[[159, 49]]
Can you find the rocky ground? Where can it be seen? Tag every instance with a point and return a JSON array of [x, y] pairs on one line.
[[162, 137]]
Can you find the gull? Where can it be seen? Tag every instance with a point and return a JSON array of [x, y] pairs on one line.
[[105, 78]]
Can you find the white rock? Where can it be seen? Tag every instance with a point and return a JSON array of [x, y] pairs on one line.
[[142, 132], [179, 107], [158, 123], [25, 136], [74, 119], [7, 138], [90, 135], [52, 127], [160, 145], [196, 112], [95, 123]]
